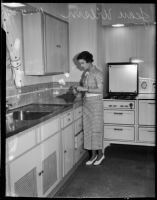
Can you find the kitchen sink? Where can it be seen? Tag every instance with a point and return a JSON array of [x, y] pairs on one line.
[[27, 115], [43, 107], [34, 111]]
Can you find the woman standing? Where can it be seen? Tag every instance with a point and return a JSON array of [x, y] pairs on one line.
[[92, 85]]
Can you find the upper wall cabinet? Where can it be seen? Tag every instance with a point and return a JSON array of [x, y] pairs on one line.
[[125, 13], [45, 44]]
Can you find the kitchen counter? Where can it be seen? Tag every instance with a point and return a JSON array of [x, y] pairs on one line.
[[146, 96], [18, 126]]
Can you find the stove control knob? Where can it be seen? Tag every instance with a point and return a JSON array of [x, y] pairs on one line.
[[131, 105]]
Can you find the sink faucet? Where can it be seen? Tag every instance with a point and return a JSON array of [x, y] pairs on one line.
[[8, 105]]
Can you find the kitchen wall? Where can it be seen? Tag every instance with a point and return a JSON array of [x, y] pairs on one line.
[[119, 44]]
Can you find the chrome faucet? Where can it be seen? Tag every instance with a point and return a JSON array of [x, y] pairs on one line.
[[8, 105]]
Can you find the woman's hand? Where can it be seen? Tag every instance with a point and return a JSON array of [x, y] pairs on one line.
[[82, 89]]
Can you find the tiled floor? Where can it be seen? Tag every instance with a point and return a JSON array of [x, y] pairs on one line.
[[127, 171]]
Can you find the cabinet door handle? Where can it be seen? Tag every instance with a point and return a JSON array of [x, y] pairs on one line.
[[65, 151], [40, 173], [58, 45], [69, 119], [116, 113], [118, 129]]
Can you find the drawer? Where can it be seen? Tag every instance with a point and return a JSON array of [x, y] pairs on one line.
[[78, 112], [147, 134], [67, 118], [78, 125], [49, 128], [119, 117], [79, 140], [21, 143], [119, 104], [119, 133]]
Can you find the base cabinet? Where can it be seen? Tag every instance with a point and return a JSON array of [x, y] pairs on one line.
[[36, 173], [146, 116], [53, 148], [24, 172], [129, 122], [68, 148]]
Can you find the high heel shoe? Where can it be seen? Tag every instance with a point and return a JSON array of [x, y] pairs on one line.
[[98, 162], [90, 162]]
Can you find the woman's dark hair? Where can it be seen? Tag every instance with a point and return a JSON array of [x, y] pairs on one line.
[[85, 55]]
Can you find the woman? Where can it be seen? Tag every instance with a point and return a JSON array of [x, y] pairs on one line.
[[92, 86]]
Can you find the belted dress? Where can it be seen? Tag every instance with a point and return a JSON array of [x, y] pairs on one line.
[[93, 123]]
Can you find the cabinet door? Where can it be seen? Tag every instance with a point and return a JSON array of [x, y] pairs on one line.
[[68, 149], [147, 134], [24, 174], [64, 50], [50, 163], [33, 44], [146, 112], [20, 143], [56, 42]]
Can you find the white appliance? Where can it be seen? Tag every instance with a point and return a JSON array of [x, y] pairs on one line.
[[146, 85]]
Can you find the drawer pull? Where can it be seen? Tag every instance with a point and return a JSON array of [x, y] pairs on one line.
[[151, 103], [116, 113], [150, 131], [65, 151], [69, 119], [118, 129]]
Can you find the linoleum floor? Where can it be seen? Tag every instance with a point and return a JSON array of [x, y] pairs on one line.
[[127, 171]]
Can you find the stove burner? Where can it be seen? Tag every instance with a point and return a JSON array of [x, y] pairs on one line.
[[127, 97]]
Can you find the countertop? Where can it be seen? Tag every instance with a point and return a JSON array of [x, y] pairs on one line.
[[18, 126], [146, 96]]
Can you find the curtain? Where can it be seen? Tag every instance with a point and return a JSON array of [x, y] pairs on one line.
[[13, 44]]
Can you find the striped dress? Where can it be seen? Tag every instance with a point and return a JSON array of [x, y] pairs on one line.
[[93, 123]]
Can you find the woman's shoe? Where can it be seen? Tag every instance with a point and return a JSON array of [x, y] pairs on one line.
[[90, 162], [98, 162]]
